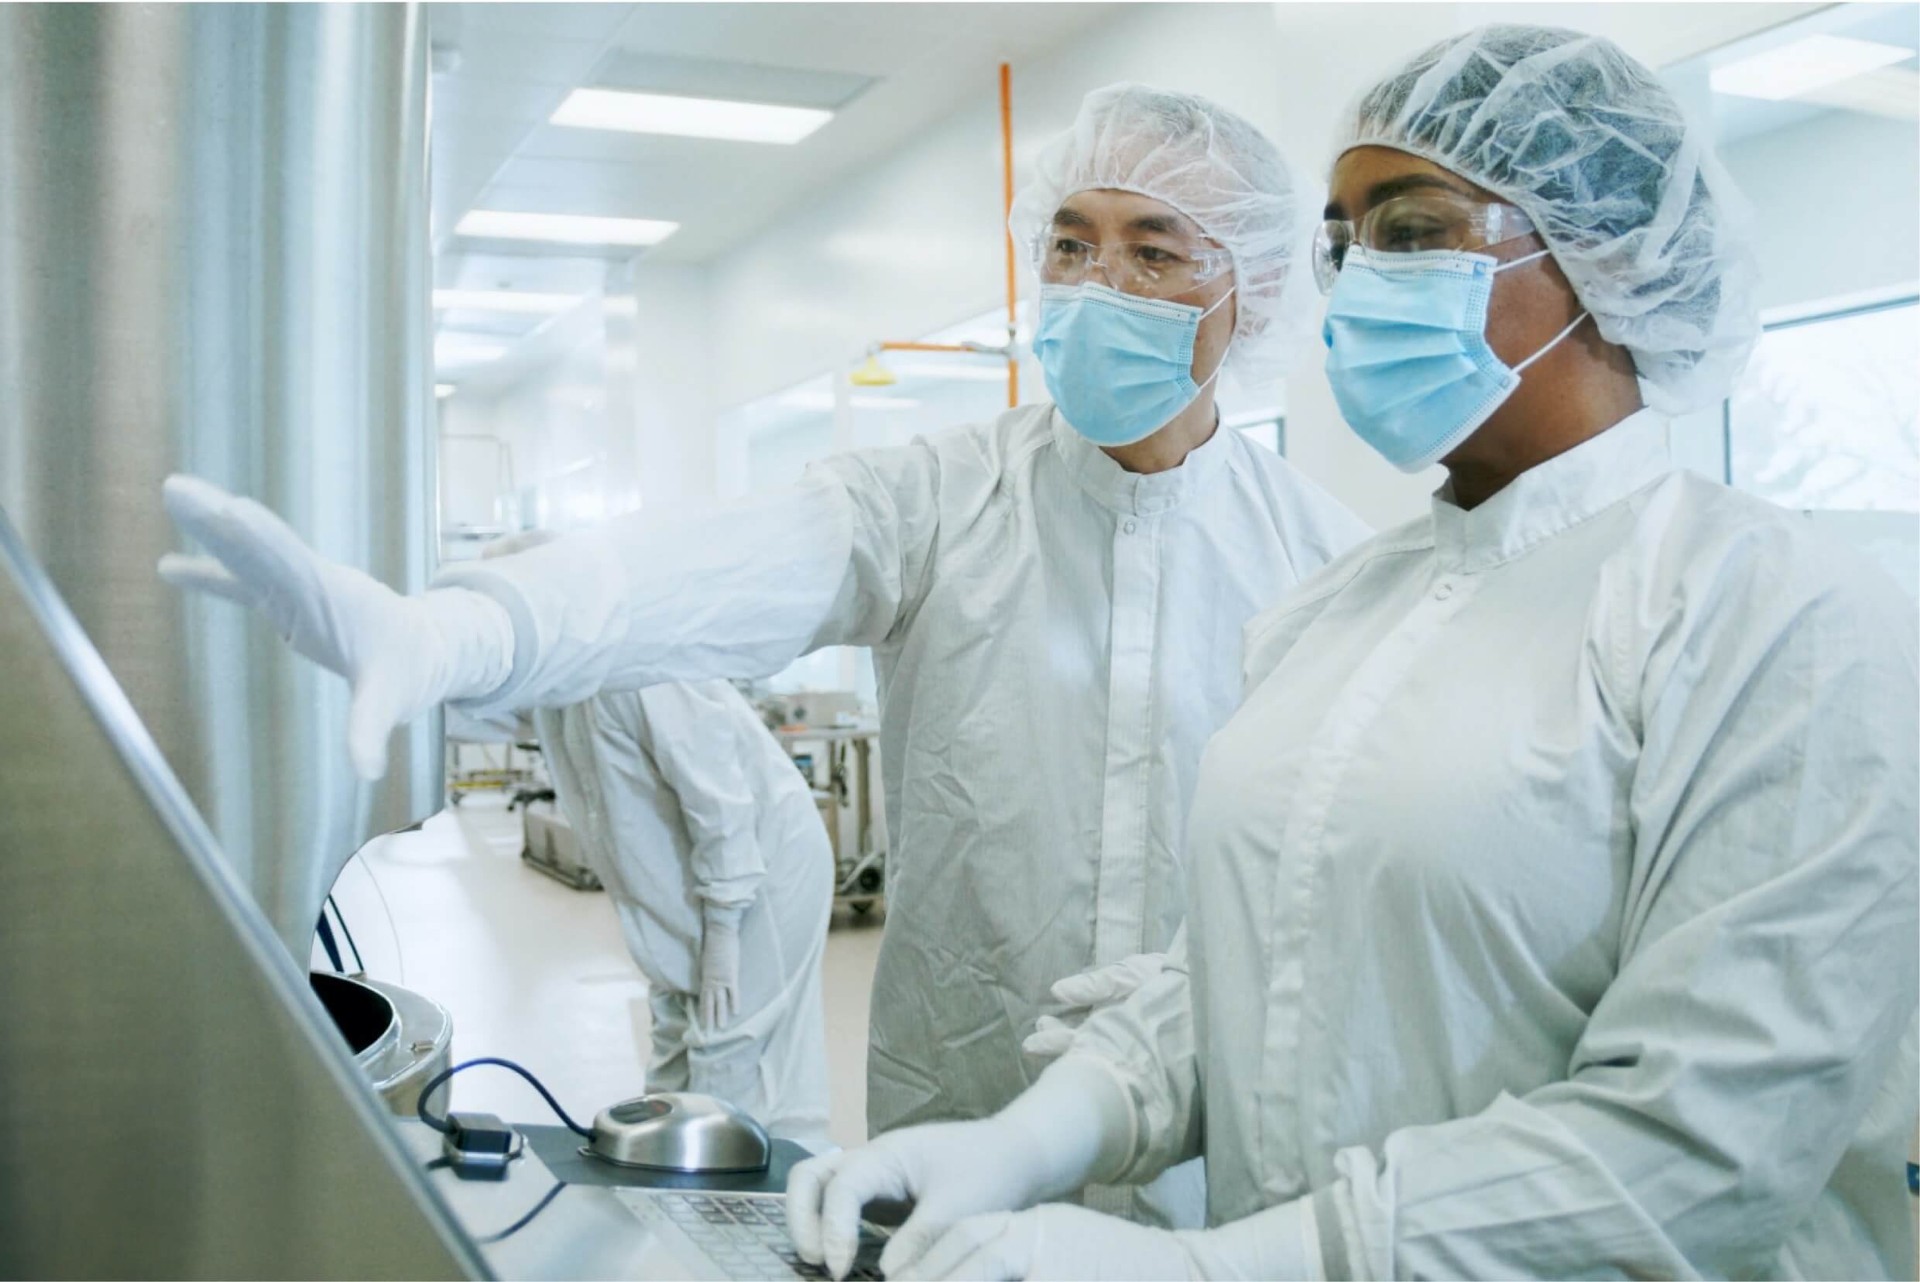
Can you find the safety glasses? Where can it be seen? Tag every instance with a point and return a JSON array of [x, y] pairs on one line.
[[1147, 269], [1412, 225]]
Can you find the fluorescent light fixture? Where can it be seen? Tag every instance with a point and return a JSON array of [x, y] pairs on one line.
[[466, 349], [1893, 92], [516, 301], [653, 113], [1808, 64], [441, 391], [567, 229], [822, 402]]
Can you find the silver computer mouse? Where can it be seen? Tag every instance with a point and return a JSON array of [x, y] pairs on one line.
[[680, 1131]]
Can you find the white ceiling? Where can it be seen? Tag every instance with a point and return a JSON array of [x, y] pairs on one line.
[[889, 70], [1891, 91], [503, 68]]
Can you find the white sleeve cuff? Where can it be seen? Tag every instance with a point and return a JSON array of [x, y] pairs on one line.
[[1281, 1242], [722, 916], [1074, 1119], [1120, 1120]]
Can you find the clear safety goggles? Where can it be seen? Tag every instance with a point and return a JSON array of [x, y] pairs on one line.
[[1413, 224], [1148, 269]]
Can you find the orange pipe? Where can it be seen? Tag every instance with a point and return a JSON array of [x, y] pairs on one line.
[[1006, 159], [1013, 305]]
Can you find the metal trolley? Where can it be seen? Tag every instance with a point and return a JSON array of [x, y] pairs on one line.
[[838, 760]]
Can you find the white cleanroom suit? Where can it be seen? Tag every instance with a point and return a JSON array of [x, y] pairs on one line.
[[1553, 898], [710, 847], [1055, 638]]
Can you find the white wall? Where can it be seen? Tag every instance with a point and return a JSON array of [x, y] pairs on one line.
[[1838, 199], [660, 367], [550, 408], [914, 244]]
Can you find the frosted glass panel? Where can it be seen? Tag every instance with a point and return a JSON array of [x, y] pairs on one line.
[[1828, 416]]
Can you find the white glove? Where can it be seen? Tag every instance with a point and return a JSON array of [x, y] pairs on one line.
[[1055, 1241], [1071, 1125], [720, 969], [1081, 995], [401, 655], [1072, 1242]]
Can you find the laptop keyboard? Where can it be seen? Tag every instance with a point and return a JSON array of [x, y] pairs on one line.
[[745, 1234]]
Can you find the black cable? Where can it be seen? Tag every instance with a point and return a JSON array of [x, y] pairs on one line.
[[325, 932], [440, 1123], [524, 1220], [341, 917]]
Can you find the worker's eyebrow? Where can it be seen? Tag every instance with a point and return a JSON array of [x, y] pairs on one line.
[[1167, 225], [1067, 216], [1413, 182], [1391, 187]]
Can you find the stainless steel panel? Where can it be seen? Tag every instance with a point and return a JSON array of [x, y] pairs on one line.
[[423, 1049], [172, 1101], [214, 258]]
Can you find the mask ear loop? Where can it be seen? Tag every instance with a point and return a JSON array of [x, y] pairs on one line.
[[1521, 368], [1222, 362], [1521, 262], [1555, 341]]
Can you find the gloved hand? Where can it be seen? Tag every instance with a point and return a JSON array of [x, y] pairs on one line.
[[1055, 1138], [719, 969], [1083, 994], [401, 655], [1058, 1241], [1054, 1241], [952, 1169]]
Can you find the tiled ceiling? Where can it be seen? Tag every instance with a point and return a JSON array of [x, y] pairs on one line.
[[887, 69]]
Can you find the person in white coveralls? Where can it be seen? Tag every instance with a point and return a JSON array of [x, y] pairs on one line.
[[1054, 599], [1552, 894]]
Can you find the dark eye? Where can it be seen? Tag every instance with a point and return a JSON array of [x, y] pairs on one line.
[[1067, 247], [1156, 255], [1406, 235]]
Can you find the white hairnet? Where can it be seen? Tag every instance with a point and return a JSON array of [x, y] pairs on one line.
[[1211, 165], [1644, 222]]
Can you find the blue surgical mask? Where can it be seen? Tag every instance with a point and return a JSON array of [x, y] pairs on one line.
[[1119, 367], [1407, 350]]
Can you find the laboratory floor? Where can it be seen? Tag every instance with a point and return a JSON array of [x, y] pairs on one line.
[[538, 973]]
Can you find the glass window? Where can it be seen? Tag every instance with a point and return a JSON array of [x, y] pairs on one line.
[[1270, 434], [1828, 414]]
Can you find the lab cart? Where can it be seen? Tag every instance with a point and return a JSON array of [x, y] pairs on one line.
[[838, 762]]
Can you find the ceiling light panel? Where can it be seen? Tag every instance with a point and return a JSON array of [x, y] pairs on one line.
[[466, 349], [755, 81], [1893, 92], [474, 267], [566, 229], [652, 113], [518, 302], [1804, 66]]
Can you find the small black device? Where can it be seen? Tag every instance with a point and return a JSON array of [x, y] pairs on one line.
[[479, 1146]]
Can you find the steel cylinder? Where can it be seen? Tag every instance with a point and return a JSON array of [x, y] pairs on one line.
[[214, 259]]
